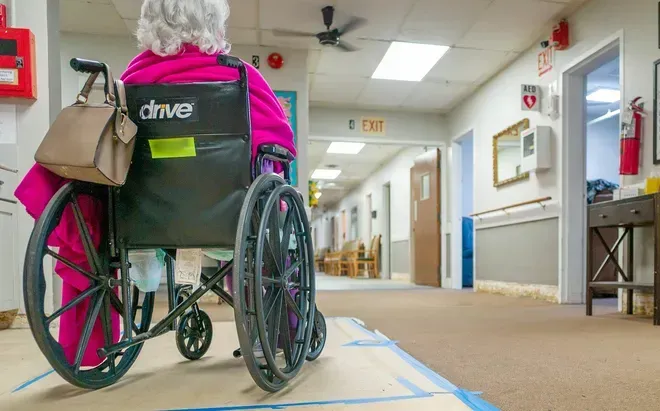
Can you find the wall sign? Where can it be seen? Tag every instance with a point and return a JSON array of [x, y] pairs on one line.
[[288, 100], [373, 126], [351, 124], [530, 97], [256, 61], [546, 60]]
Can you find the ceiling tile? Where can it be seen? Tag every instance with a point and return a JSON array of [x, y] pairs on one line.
[[302, 15], [131, 26], [128, 9], [336, 89], [358, 63], [467, 65], [313, 58], [388, 93], [384, 17], [94, 18], [267, 39], [239, 36], [442, 21], [437, 96], [510, 25], [243, 13]]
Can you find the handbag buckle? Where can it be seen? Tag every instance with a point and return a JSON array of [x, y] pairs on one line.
[[81, 99]]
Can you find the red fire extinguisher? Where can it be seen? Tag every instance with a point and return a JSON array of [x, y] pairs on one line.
[[631, 138]]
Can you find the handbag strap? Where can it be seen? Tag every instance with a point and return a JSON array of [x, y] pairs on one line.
[[109, 86]]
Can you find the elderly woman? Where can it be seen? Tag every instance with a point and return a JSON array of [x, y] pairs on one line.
[[181, 40]]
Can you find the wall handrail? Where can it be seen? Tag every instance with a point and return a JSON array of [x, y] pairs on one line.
[[9, 169], [539, 201]]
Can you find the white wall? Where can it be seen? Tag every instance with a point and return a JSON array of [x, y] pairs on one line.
[[603, 150], [397, 173], [496, 105], [328, 122]]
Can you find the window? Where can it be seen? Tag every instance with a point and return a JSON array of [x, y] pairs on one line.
[[426, 187]]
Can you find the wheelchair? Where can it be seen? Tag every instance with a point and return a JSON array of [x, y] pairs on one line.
[[199, 191]]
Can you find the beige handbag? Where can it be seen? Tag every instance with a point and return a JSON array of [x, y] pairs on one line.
[[91, 142]]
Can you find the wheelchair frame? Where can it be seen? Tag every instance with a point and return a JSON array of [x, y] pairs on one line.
[[265, 190]]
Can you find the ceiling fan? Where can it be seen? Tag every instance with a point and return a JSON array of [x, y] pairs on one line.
[[330, 37]]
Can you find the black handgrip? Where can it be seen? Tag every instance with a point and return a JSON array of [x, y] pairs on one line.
[[87, 66], [276, 152], [236, 63]]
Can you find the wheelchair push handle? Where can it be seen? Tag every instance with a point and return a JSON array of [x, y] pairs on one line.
[[87, 66], [235, 63]]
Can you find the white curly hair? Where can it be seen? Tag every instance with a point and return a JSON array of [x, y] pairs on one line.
[[166, 25]]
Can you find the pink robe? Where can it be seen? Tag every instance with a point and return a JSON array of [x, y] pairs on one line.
[[269, 126]]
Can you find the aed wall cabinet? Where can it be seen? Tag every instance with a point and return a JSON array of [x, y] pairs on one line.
[[535, 149], [18, 69]]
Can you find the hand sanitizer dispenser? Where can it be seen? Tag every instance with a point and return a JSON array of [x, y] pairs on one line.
[[535, 149]]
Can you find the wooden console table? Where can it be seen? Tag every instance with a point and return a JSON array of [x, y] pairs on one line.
[[627, 214]]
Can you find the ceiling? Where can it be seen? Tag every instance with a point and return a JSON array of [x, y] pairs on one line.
[[354, 168], [485, 35], [607, 77]]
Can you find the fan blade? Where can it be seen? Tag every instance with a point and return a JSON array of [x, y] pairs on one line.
[[291, 33], [354, 24], [342, 45]]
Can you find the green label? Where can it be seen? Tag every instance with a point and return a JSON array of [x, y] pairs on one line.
[[179, 147]]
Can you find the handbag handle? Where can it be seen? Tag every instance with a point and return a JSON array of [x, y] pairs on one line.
[[94, 68]]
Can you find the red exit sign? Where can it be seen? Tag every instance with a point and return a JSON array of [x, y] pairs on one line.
[[373, 126]]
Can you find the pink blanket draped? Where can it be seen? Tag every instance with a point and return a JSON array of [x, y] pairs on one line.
[[269, 126]]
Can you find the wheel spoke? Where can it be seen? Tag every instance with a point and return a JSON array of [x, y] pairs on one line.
[[286, 230], [106, 323], [72, 265], [286, 331], [290, 302], [291, 270], [72, 303], [90, 320], [274, 326], [274, 238], [88, 244], [273, 302], [190, 344]]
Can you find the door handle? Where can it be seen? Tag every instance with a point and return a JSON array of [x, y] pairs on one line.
[[633, 211], [602, 215]]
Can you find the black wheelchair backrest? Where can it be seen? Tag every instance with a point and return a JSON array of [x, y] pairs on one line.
[[192, 164]]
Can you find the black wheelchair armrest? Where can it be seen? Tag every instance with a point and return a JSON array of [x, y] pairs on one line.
[[276, 152]]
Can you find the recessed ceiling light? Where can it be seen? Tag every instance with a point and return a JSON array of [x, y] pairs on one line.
[[318, 195], [409, 61], [323, 174], [339, 147], [604, 95]]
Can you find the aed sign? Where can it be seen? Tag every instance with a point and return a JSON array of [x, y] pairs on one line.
[[545, 61], [530, 97], [373, 126]]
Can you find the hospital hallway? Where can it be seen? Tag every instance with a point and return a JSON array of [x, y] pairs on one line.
[[522, 354]]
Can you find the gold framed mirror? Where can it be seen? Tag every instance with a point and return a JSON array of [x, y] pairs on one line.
[[507, 156]]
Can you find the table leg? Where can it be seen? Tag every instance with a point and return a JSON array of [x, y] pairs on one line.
[[590, 264], [630, 270]]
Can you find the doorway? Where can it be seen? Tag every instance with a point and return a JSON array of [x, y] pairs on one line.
[[386, 269], [462, 203], [575, 155], [425, 219]]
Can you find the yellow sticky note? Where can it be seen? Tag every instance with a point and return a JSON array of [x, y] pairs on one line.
[[179, 147]]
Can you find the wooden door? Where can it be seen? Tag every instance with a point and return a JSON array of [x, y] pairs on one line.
[[425, 218]]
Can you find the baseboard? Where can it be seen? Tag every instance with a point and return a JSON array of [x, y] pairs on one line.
[[7, 318], [642, 303], [536, 291], [21, 322], [405, 277]]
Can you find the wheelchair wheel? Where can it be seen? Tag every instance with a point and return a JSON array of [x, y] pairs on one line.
[[94, 300], [244, 283], [194, 334], [318, 337], [285, 310]]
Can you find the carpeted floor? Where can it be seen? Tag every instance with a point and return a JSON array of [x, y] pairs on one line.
[[523, 354]]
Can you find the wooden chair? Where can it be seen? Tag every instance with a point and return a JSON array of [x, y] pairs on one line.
[[349, 256], [332, 261], [319, 259], [370, 259]]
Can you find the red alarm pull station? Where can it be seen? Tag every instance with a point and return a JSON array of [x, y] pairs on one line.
[[18, 70]]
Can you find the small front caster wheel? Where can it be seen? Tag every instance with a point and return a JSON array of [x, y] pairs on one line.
[[194, 334], [237, 353], [318, 337]]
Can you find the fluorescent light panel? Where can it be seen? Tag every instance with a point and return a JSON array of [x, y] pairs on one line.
[[339, 147], [409, 61], [325, 174], [604, 95]]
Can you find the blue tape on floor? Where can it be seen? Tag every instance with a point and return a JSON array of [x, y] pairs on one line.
[[32, 381], [418, 392], [467, 397], [369, 343]]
